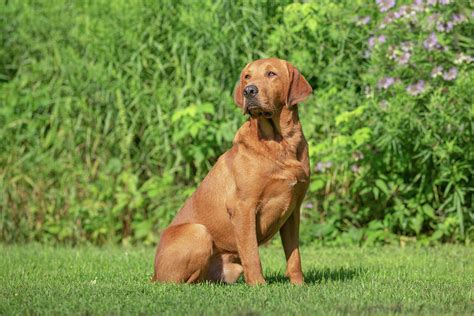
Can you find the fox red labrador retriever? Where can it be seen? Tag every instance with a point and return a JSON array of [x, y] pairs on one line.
[[253, 191]]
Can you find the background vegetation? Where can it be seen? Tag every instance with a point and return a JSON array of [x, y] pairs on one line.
[[113, 111]]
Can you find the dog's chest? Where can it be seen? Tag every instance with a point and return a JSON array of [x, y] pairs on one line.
[[281, 197]]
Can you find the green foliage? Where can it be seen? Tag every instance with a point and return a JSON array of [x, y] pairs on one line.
[[401, 160], [112, 112]]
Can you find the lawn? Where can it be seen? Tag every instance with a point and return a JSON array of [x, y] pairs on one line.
[[37, 279]]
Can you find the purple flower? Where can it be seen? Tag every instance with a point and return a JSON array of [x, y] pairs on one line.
[[432, 19], [402, 11], [405, 11], [406, 46], [363, 20], [385, 5], [404, 58], [449, 26], [458, 18], [389, 18], [385, 83], [431, 42], [322, 166], [440, 26], [319, 166], [372, 41], [437, 71], [309, 205], [355, 168], [416, 88], [418, 5], [444, 27], [460, 58], [451, 74], [431, 2], [444, 2]]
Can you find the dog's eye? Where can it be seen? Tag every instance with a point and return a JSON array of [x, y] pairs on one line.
[[247, 77], [271, 74]]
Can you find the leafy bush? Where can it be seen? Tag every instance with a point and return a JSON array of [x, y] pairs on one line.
[[398, 163], [113, 112]]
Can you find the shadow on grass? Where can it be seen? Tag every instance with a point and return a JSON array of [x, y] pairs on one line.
[[314, 276]]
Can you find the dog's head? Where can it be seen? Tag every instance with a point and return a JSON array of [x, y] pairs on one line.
[[266, 85]]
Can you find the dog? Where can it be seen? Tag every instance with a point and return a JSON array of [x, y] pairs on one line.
[[254, 190]]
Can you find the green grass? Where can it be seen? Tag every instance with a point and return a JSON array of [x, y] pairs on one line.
[[38, 279]]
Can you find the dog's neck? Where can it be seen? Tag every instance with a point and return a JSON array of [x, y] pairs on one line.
[[280, 135], [283, 126], [279, 138]]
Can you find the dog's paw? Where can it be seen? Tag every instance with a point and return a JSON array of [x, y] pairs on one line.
[[296, 279], [257, 281]]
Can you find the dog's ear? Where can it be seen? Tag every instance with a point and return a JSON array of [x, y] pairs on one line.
[[238, 94], [298, 88]]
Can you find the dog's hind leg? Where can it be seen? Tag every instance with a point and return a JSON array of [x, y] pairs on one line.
[[224, 267], [183, 254]]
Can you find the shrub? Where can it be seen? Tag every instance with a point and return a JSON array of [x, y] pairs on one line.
[[113, 112], [399, 164]]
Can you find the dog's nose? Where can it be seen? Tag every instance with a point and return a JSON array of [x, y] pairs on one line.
[[250, 91]]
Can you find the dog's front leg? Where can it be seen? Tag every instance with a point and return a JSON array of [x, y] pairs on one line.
[[243, 219], [289, 233]]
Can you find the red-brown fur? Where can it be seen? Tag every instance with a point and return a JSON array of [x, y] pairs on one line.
[[253, 191]]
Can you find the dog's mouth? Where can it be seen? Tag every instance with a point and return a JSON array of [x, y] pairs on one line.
[[256, 111]]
